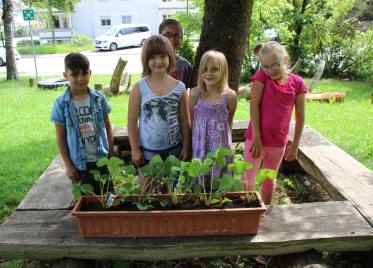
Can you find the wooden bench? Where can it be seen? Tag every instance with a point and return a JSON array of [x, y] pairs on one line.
[[42, 227]]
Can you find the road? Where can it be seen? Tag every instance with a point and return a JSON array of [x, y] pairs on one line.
[[102, 62]]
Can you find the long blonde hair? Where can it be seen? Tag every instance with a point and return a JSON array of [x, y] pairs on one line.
[[219, 58], [156, 45]]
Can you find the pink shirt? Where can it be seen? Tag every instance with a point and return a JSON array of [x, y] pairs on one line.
[[276, 106]]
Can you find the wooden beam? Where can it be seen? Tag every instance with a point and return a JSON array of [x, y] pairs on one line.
[[51, 190], [341, 175], [324, 226]]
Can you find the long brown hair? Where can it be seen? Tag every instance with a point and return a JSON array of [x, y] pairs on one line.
[[157, 45]]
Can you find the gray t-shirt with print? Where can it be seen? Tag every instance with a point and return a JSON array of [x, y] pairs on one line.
[[87, 128]]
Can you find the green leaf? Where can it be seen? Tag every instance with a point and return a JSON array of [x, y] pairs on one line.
[[96, 174], [164, 203], [214, 201], [142, 206], [75, 190], [87, 188], [102, 162], [194, 167], [130, 170], [226, 181], [221, 162], [226, 200], [271, 174], [237, 185]]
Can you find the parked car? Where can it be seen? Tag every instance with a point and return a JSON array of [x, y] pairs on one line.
[[3, 55], [123, 35]]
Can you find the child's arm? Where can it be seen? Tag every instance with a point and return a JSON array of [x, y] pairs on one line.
[[133, 117], [185, 126], [255, 98], [110, 136], [193, 98], [232, 105], [292, 151], [71, 171]]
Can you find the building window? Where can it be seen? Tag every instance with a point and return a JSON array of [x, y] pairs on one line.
[[166, 16], [105, 21], [126, 19]]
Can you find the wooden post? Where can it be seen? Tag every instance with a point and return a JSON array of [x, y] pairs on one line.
[[32, 82], [117, 76], [99, 87]]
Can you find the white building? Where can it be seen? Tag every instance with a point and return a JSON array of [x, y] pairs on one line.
[[94, 17]]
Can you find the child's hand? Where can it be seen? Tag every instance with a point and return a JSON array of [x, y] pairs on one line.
[[184, 155], [71, 172], [291, 152], [137, 157], [256, 147]]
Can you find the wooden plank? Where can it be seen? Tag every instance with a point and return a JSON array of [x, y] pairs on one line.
[[324, 226], [341, 175], [51, 190]]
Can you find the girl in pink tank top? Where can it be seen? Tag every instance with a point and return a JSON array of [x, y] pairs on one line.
[[275, 91], [212, 105]]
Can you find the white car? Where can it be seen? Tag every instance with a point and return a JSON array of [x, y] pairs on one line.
[[3, 55], [123, 35]]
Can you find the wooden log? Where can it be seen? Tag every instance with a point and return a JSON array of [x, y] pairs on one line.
[[326, 96], [117, 76], [98, 87], [324, 226]]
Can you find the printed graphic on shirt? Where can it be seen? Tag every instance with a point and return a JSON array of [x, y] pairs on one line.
[[87, 128], [161, 121]]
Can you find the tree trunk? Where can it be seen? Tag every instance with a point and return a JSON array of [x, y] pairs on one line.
[[51, 19], [225, 28], [11, 67]]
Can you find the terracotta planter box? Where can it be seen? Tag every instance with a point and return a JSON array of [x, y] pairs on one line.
[[157, 223]]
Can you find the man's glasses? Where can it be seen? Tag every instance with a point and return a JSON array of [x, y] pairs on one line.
[[273, 67], [170, 35]]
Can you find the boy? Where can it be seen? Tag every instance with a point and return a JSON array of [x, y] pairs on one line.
[[173, 30], [83, 129]]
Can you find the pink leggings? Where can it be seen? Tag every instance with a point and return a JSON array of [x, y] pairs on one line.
[[271, 157]]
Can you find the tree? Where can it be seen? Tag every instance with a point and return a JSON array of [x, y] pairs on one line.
[[11, 67], [225, 28], [65, 5]]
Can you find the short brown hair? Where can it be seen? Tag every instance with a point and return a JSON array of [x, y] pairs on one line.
[[219, 58], [77, 62], [168, 22], [156, 45]]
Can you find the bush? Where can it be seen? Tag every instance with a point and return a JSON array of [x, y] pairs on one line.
[[186, 50], [81, 40], [27, 43]]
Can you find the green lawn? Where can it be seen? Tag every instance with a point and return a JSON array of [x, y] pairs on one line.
[[27, 142], [57, 49]]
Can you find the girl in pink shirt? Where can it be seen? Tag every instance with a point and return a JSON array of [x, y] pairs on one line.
[[275, 92]]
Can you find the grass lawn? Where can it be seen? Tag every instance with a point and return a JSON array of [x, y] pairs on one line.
[[57, 49], [27, 141]]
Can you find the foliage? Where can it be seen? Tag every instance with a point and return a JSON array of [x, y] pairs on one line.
[[327, 30], [186, 50], [115, 170], [57, 49], [192, 21], [81, 40], [26, 42]]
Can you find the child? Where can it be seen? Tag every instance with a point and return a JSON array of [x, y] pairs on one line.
[[212, 105], [275, 92], [173, 30], [83, 129], [160, 104]]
